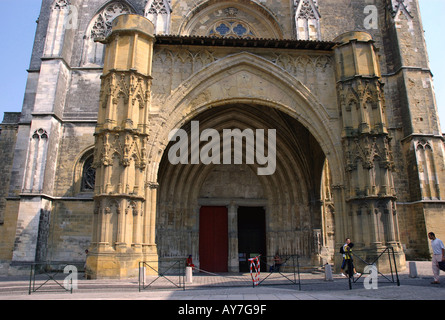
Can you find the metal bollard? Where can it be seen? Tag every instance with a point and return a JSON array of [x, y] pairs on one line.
[[189, 275], [142, 274], [328, 273], [413, 270]]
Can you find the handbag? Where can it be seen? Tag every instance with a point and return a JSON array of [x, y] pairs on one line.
[[442, 265]]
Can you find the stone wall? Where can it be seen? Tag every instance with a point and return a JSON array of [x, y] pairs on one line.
[[8, 137], [62, 98], [71, 230]]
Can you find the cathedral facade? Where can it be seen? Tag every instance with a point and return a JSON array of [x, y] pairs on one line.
[[121, 146]]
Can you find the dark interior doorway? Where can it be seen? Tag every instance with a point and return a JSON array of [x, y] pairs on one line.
[[251, 235]]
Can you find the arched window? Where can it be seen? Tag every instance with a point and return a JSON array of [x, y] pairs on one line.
[[84, 174], [38, 149], [99, 28], [159, 13], [307, 20], [231, 29], [88, 176], [231, 19], [427, 170]]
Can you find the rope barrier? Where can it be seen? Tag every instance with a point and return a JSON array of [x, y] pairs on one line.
[[203, 271]]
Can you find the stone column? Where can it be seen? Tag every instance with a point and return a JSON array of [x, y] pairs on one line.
[[121, 135], [233, 238], [149, 245]]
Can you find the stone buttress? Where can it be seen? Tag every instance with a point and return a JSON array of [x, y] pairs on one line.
[[123, 233]]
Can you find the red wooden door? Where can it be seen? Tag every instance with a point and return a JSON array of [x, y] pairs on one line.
[[213, 239]]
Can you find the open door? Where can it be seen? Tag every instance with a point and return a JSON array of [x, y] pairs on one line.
[[251, 235]]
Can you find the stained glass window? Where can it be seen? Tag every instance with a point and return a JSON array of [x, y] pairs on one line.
[[88, 176], [231, 29], [222, 29], [240, 30]]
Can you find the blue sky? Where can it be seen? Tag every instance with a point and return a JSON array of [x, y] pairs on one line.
[[18, 25]]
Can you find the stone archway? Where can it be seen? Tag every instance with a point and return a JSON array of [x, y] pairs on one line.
[[131, 149], [245, 83], [290, 197], [246, 79], [249, 80]]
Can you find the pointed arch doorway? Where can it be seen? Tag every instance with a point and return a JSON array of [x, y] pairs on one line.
[[283, 204]]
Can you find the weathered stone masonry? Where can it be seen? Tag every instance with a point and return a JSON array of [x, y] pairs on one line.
[[360, 152]]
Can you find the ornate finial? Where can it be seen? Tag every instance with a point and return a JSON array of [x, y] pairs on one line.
[[400, 6]]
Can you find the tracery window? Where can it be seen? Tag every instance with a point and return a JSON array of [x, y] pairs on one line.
[[307, 20], [231, 29], [88, 176], [427, 168], [99, 28], [102, 26], [159, 13], [38, 149]]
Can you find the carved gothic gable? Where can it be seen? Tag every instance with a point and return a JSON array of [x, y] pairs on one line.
[[307, 9], [402, 7], [100, 28], [307, 20], [158, 7], [102, 24], [158, 12], [400, 11]]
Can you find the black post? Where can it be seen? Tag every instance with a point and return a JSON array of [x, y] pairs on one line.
[[395, 266], [298, 268], [350, 273], [71, 282], [390, 263], [30, 279]]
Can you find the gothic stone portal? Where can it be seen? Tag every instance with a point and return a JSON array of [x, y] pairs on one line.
[[356, 158], [284, 201]]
